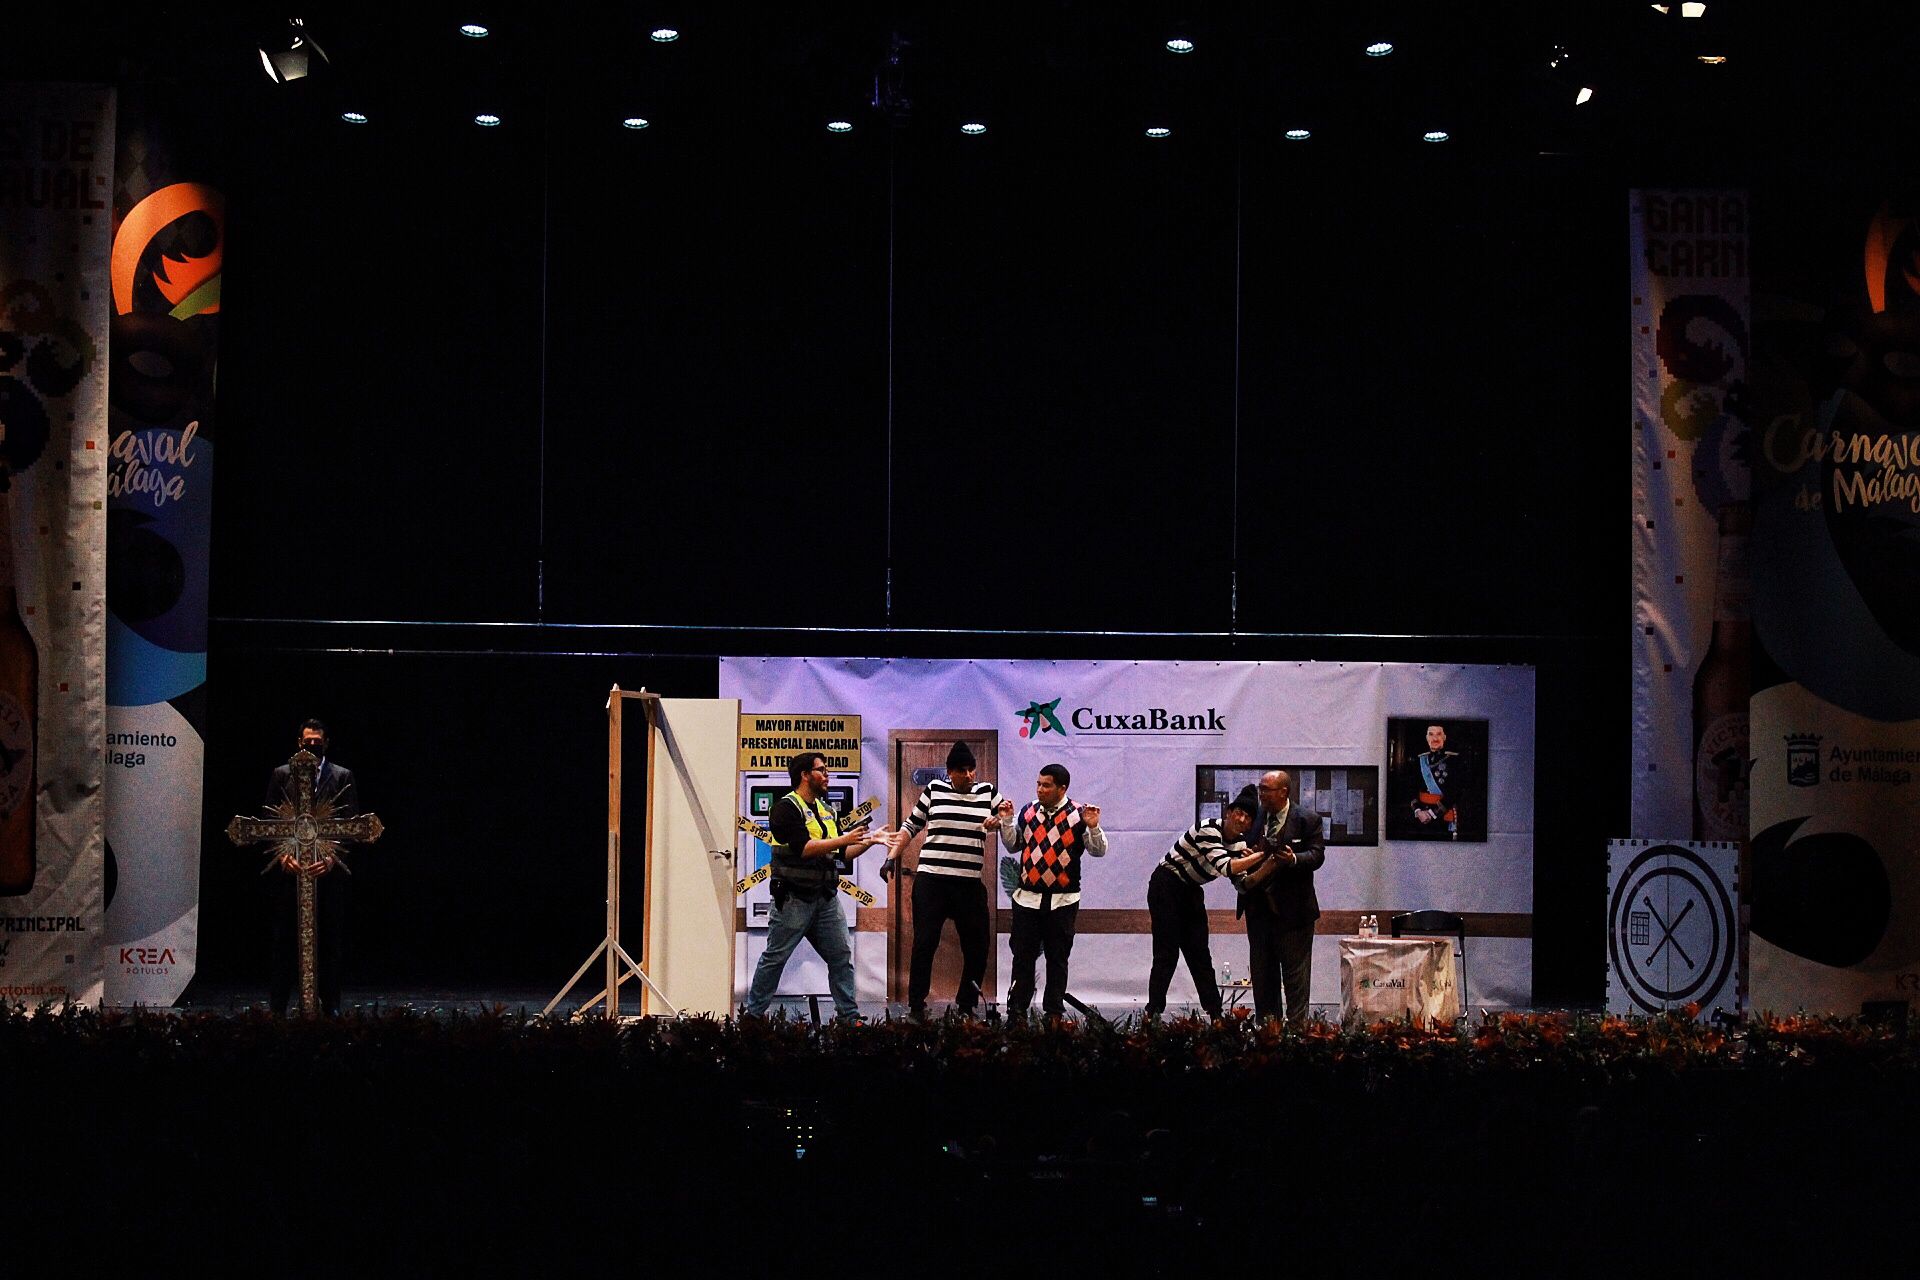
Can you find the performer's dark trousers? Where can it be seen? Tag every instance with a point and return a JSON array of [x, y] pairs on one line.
[[330, 949], [1177, 908], [936, 900], [1036, 929], [1281, 960]]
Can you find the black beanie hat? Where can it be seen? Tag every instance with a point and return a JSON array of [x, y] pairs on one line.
[[1247, 802], [961, 757]]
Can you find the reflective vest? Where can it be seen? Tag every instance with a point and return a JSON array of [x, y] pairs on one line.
[[808, 873], [1051, 850]]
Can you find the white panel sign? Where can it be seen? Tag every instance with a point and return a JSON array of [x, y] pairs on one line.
[[1673, 913]]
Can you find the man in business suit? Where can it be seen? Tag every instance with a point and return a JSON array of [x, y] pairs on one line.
[[1278, 901], [332, 785]]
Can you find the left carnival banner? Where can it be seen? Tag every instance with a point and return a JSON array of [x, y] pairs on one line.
[[56, 167], [169, 241]]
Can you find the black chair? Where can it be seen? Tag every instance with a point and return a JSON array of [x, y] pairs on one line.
[[1437, 924]]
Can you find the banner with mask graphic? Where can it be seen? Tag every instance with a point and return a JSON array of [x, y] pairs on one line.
[[1835, 886], [169, 237], [1160, 745], [56, 161]]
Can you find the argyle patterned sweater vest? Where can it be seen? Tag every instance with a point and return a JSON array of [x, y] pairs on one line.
[[1051, 850]]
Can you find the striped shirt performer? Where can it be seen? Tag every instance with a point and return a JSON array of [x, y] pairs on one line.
[[954, 811], [1177, 907]]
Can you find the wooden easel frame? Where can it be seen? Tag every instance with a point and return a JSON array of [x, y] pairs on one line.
[[616, 955]]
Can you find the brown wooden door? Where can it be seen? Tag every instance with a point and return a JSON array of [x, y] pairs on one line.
[[916, 756]]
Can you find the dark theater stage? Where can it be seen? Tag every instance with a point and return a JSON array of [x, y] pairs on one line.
[[508, 414]]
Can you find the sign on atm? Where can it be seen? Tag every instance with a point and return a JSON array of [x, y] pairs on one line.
[[769, 741]]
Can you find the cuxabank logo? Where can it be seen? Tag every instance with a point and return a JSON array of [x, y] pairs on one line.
[[1044, 717], [1041, 717]]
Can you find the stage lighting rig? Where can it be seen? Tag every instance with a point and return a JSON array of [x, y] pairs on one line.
[[890, 83], [288, 52]]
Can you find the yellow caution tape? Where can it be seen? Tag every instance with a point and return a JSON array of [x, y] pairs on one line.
[[765, 837]]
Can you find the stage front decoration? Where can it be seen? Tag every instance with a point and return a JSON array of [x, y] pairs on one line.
[[307, 835]]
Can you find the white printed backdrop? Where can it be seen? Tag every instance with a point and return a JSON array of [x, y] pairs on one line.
[[57, 145], [1332, 714], [1691, 450]]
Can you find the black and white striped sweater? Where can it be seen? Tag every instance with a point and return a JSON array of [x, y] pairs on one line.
[[955, 844], [1202, 853]]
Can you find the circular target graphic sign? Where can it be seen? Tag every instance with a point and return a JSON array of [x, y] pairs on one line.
[[1670, 928]]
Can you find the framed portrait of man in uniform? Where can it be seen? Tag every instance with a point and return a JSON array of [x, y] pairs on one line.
[[1436, 779]]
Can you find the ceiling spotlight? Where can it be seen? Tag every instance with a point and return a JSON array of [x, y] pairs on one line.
[[839, 126], [1179, 44], [1663, 8], [635, 122], [1583, 97], [289, 53], [973, 127], [474, 30], [1299, 135], [1379, 49], [1435, 135], [1713, 59], [1159, 131], [1693, 9], [486, 120], [664, 35], [354, 117]]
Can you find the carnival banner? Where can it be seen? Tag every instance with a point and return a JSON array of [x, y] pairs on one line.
[[1692, 518], [1836, 605], [168, 244], [56, 159], [1160, 744]]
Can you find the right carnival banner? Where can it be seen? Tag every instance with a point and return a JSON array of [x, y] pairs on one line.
[[1834, 408], [1776, 533]]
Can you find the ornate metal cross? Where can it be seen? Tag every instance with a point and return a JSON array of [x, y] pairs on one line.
[[308, 830]]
